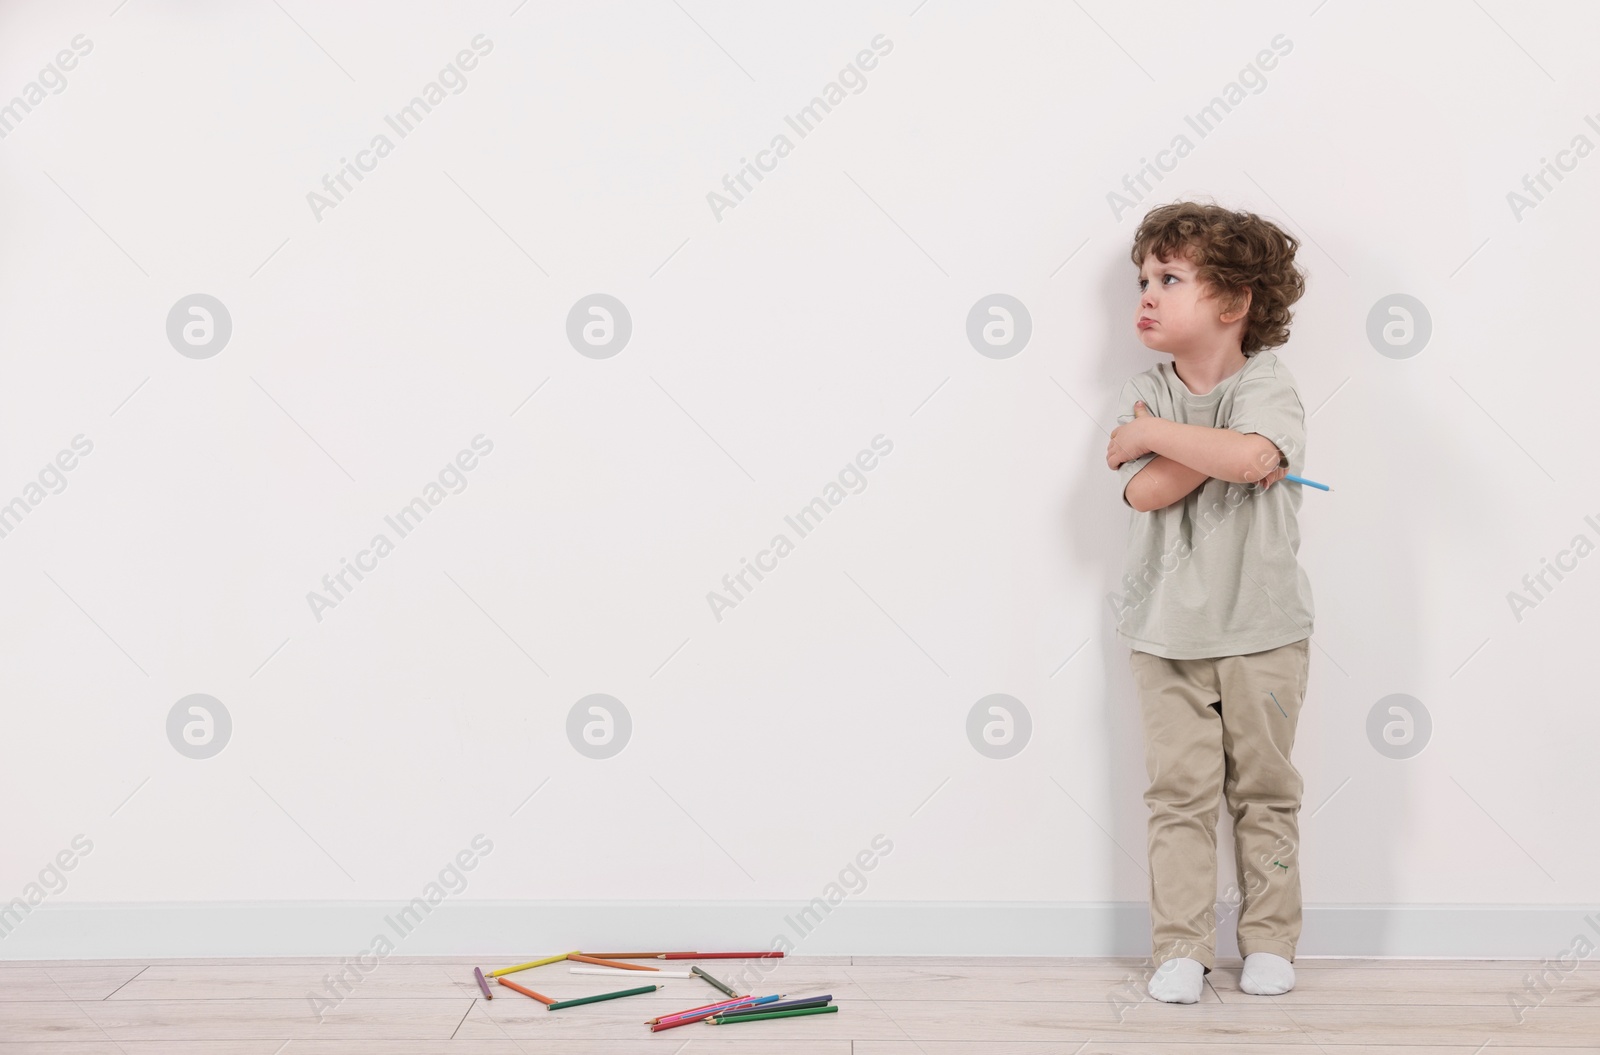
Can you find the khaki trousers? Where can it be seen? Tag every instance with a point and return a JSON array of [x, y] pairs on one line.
[[1223, 724]]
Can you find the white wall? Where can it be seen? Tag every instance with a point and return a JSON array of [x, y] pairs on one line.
[[770, 344]]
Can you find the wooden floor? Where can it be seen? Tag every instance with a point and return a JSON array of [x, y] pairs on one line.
[[887, 1006]]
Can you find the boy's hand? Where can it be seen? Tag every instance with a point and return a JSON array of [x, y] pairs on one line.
[[1131, 439], [1273, 477]]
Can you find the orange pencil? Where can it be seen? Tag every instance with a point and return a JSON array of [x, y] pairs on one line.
[[609, 963], [526, 992]]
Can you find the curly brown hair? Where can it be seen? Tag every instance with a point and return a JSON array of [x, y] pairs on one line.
[[1232, 252]]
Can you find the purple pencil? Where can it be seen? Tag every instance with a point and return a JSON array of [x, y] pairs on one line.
[[477, 972]]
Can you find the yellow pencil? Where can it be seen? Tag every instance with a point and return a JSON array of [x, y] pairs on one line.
[[525, 966]]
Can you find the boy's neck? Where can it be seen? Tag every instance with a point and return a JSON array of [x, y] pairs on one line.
[[1203, 371]]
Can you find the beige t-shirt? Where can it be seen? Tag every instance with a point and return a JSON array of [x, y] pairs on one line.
[[1215, 574]]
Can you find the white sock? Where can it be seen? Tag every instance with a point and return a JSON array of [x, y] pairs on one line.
[[1266, 974], [1177, 981]]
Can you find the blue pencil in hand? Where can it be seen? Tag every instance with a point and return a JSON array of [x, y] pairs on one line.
[[1308, 483]]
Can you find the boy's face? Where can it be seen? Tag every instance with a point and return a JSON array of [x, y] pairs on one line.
[[1177, 313]]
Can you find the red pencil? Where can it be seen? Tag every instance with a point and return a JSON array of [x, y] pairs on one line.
[[696, 1010], [526, 992], [722, 955], [746, 1004]]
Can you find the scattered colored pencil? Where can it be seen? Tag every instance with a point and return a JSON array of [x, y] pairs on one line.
[[525, 966], [736, 1008], [711, 1008], [1303, 480], [746, 1004], [673, 1023], [718, 1020], [713, 981], [526, 992], [579, 957], [676, 1022], [785, 1005], [603, 996], [740, 1014]]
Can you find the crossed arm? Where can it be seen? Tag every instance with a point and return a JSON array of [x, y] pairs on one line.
[[1188, 455], [1162, 482]]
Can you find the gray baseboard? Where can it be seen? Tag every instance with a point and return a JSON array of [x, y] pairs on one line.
[[501, 929]]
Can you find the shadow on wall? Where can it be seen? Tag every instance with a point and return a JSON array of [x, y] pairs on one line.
[[1097, 529]]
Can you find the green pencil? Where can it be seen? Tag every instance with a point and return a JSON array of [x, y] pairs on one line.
[[696, 970], [603, 996], [786, 1005], [718, 1020]]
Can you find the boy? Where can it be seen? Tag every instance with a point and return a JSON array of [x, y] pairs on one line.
[[1217, 612]]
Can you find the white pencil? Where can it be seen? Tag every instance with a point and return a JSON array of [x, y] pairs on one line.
[[618, 973]]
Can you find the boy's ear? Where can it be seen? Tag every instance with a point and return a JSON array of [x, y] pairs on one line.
[[1238, 305]]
